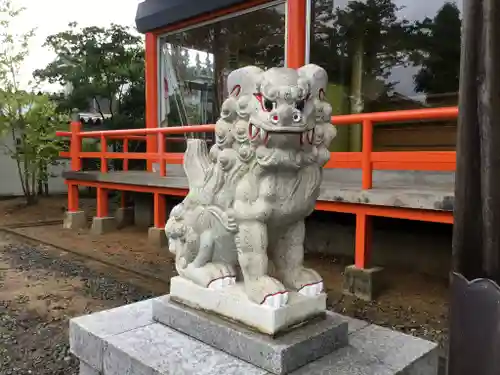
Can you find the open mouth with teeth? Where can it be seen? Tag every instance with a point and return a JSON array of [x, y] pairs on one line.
[[305, 135]]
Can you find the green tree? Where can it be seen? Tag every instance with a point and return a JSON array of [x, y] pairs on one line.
[[28, 121], [437, 51], [99, 63]]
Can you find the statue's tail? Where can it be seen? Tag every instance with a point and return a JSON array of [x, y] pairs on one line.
[[197, 163]]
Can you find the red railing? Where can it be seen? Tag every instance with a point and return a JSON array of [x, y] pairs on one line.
[[366, 160]]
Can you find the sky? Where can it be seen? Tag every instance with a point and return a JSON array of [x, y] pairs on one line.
[[52, 16]]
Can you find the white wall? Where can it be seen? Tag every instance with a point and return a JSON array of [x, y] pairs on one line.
[[10, 184]]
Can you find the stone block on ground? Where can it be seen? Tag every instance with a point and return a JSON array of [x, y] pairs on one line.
[[87, 369], [157, 237], [103, 225], [233, 303], [363, 283], [87, 333], [124, 216], [75, 220], [143, 210], [279, 355], [127, 341]]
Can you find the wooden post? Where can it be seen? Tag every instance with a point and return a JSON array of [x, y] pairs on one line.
[[366, 161], [102, 202], [73, 197], [152, 79], [363, 239], [161, 152], [125, 151], [475, 294], [104, 149], [75, 144], [160, 214], [296, 33]]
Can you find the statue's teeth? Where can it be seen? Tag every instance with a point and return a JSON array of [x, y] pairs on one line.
[[263, 134], [310, 136], [254, 131]]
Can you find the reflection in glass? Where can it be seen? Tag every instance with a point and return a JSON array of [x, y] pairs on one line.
[[195, 63], [384, 55]]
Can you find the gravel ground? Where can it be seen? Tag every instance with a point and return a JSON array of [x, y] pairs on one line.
[[42, 287], [40, 290]]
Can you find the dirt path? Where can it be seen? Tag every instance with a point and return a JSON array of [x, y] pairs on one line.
[[41, 288]]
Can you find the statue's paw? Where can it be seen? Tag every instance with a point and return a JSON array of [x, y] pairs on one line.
[[267, 291], [212, 275], [305, 281], [312, 290]]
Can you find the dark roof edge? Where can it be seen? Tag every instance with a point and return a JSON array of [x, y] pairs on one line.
[[156, 14]]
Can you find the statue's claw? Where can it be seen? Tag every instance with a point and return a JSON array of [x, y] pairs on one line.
[[305, 281], [276, 300], [211, 275], [312, 290], [267, 291], [222, 282]]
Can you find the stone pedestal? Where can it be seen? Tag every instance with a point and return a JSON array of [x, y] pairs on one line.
[[232, 302], [127, 340], [157, 237], [364, 283], [75, 220], [279, 355], [124, 217], [103, 225]]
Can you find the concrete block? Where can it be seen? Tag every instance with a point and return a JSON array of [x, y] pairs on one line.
[[126, 341], [397, 351], [85, 369], [280, 355], [124, 216], [102, 225], [233, 303], [157, 349], [75, 220], [364, 283], [157, 237], [87, 333]]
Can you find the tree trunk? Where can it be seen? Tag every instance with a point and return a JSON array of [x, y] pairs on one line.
[[475, 297]]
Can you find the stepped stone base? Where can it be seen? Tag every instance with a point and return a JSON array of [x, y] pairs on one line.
[[279, 355], [127, 340]]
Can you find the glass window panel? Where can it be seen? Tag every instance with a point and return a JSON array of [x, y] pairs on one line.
[[194, 64], [384, 55]]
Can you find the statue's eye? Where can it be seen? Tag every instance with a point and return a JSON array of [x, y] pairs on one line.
[[268, 105], [300, 105]]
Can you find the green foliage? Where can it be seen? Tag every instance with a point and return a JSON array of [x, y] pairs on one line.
[[28, 122], [438, 51], [99, 63]]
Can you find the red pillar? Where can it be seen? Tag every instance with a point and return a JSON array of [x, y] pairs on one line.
[[363, 246], [152, 78], [296, 33], [160, 214]]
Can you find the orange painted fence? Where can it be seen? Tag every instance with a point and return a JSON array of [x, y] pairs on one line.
[[366, 160]]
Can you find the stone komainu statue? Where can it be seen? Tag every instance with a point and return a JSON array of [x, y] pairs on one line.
[[244, 215]]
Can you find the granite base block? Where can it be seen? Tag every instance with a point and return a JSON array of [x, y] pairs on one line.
[[103, 225], [75, 220], [127, 341], [280, 355], [363, 283], [87, 370]]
